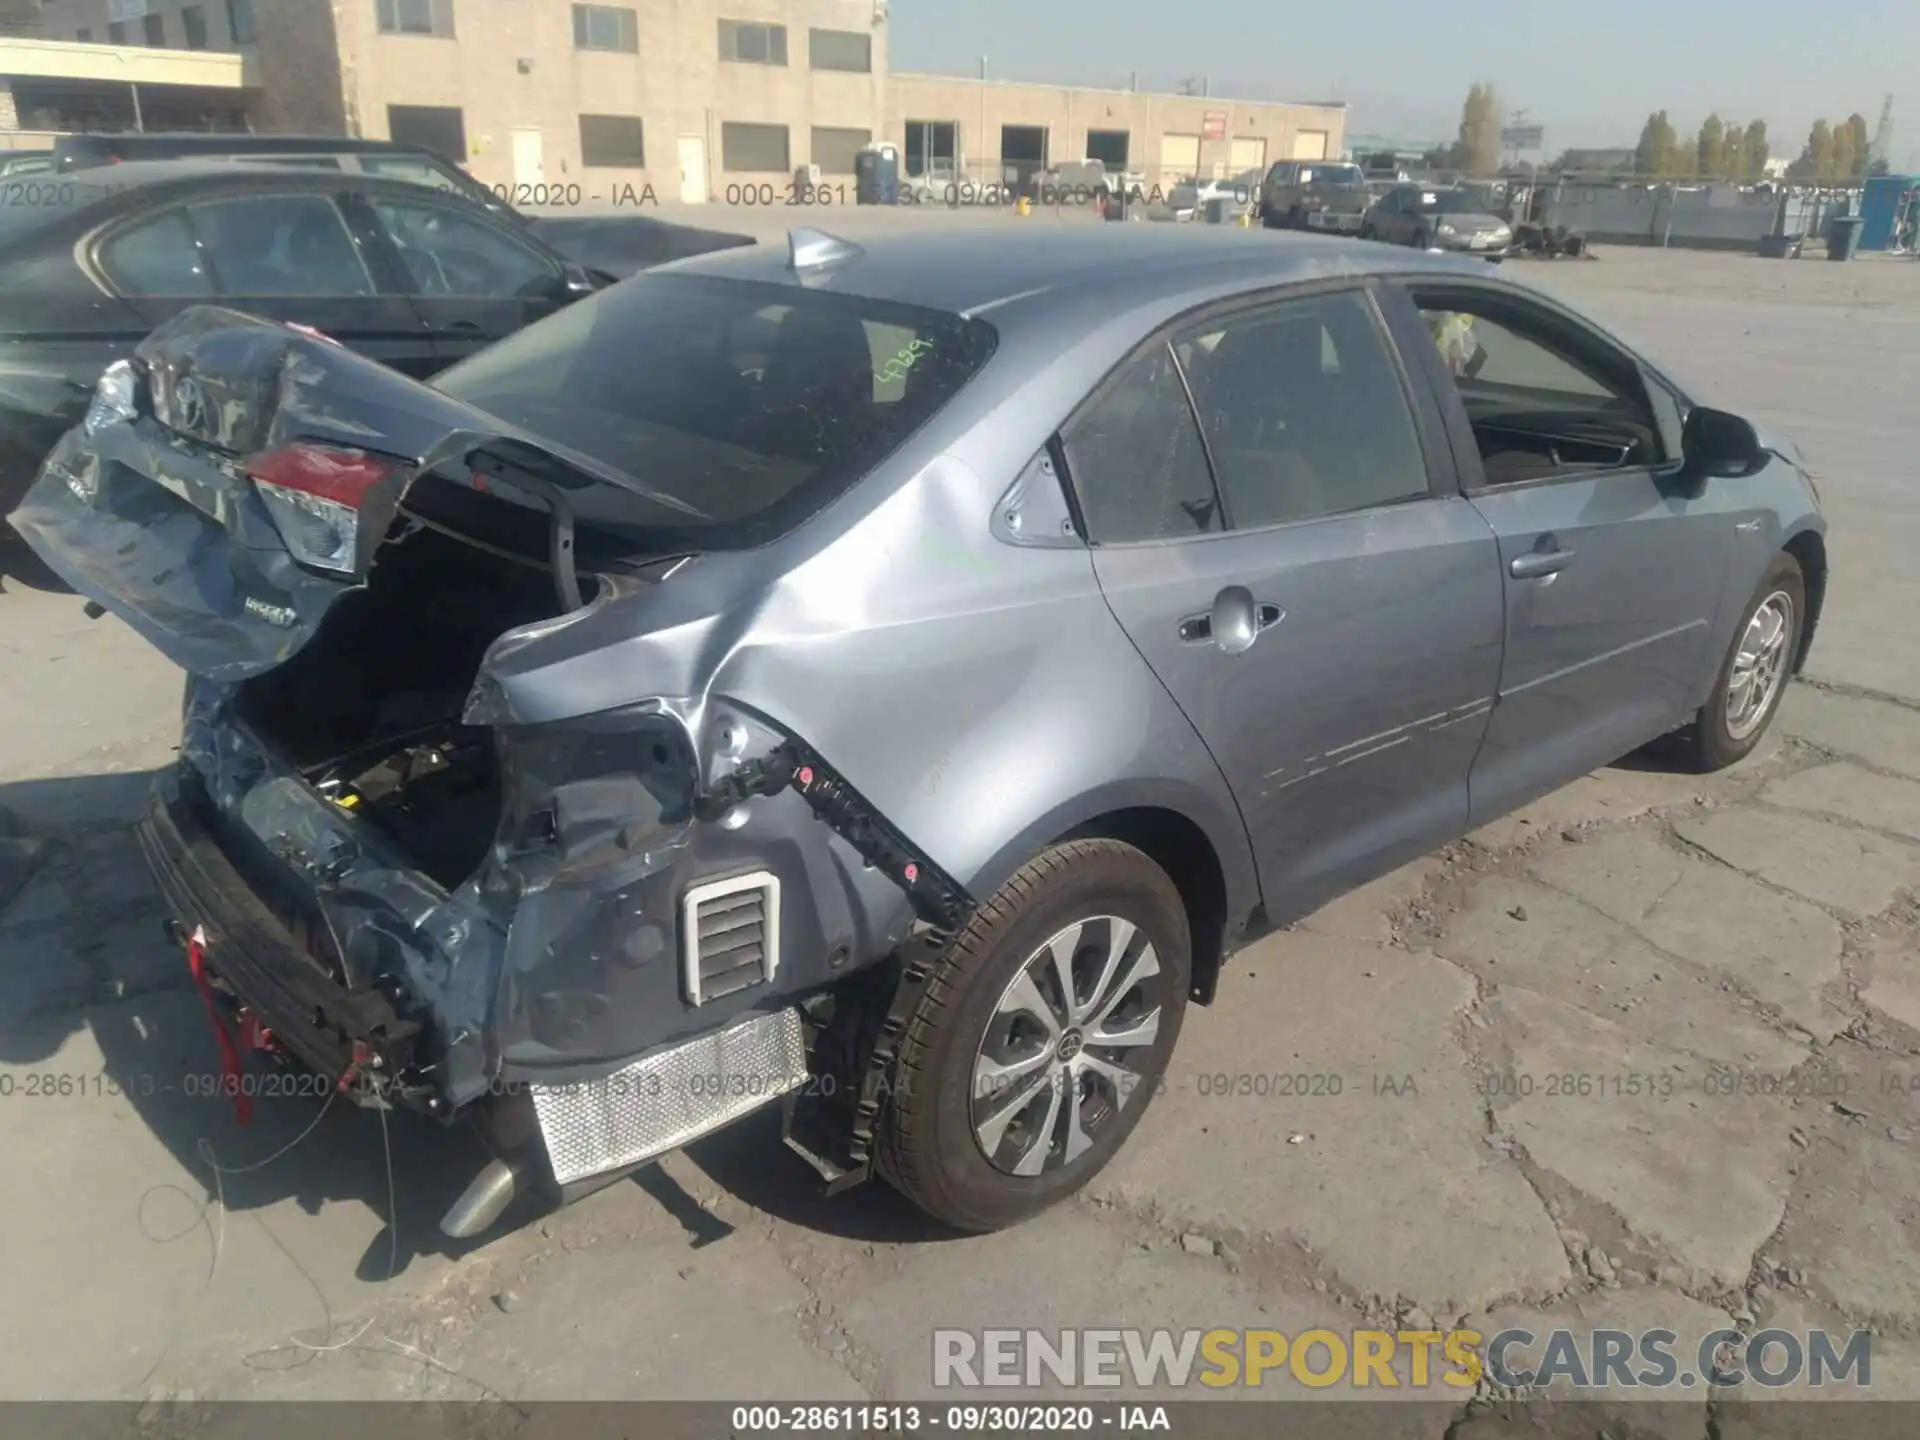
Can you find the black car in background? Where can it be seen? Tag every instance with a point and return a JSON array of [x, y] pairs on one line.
[[91, 261], [621, 239]]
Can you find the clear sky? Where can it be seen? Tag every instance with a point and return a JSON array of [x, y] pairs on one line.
[[1588, 70]]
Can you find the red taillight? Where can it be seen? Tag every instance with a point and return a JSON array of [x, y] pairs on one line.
[[342, 476], [314, 493]]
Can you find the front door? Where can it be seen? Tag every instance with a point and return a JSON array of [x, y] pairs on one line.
[[471, 281], [529, 164], [693, 170], [1327, 618], [1612, 565]]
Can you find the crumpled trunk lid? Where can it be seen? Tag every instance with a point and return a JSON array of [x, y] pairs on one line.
[[157, 519]]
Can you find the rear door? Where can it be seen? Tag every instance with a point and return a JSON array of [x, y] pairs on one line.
[[1285, 551], [283, 255], [470, 280], [1613, 566]]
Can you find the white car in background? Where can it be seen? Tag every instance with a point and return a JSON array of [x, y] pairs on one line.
[[1189, 199]]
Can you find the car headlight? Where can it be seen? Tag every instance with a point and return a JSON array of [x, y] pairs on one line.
[[1445, 229]]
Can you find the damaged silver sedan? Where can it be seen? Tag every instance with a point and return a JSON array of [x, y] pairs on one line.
[[884, 682]]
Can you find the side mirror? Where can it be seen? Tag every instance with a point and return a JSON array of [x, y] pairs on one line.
[[1716, 444]]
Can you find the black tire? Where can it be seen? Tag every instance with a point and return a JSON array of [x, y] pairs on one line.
[[1270, 221], [1420, 240], [1367, 233], [1718, 740], [1296, 219], [929, 1147]]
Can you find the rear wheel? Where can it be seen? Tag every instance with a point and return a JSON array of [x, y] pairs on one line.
[[1041, 1038], [1420, 240], [1754, 674]]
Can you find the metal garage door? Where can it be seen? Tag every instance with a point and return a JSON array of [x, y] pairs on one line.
[[1247, 153], [1179, 157], [1309, 145]]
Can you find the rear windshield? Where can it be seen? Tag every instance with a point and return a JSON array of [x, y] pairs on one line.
[[33, 202], [1333, 175], [753, 404]]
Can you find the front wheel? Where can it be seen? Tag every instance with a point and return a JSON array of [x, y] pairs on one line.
[[1754, 674], [1042, 1036]]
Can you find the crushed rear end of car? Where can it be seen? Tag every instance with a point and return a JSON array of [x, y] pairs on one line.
[[459, 819]]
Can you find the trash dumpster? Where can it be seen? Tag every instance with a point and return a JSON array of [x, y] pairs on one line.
[[876, 175], [1843, 236]]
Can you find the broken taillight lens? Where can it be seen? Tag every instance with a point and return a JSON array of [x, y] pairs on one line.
[[315, 494]]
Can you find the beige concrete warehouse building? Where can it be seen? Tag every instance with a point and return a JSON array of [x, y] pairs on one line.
[[696, 98]]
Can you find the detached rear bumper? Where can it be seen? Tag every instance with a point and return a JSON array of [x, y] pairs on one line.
[[254, 955]]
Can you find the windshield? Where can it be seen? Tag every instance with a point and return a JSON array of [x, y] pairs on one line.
[[1332, 175], [753, 404], [1453, 202]]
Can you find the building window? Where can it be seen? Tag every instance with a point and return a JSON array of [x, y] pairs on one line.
[[834, 148], [753, 148], [437, 129], [193, 20], [1109, 147], [155, 28], [748, 43], [612, 142], [240, 22], [116, 32], [932, 147], [606, 27], [83, 35], [840, 50], [416, 17]]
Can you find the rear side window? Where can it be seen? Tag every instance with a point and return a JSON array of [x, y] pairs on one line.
[[157, 257], [755, 404], [1136, 460]]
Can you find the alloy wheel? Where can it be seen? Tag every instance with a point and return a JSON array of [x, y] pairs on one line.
[[1066, 1047], [1759, 665]]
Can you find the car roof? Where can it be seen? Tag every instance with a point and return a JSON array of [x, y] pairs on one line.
[[1018, 270]]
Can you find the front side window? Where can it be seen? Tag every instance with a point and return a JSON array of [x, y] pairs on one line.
[[749, 43], [155, 29], [448, 253], [1544, 399], [1304, 412], [606, 27], [1136, 460], [415, 17], [414, 169], [282, 245], [193, 21], [753, 404], [240, 22]]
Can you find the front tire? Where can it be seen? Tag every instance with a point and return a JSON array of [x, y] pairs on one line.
[[1754, 674], [1041, 1037]]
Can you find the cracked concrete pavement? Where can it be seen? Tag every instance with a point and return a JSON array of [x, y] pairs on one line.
[[1647, 1053]]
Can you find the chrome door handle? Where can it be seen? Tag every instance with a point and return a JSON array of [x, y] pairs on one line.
[[1540, 563]]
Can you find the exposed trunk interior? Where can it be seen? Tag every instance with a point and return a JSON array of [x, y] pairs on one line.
[[369, 711]]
